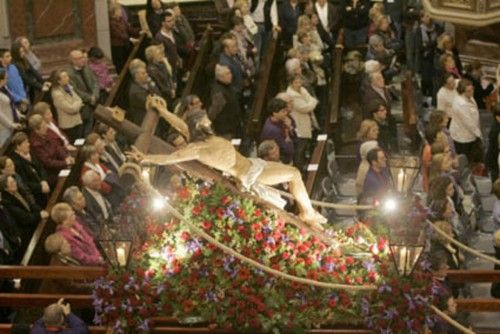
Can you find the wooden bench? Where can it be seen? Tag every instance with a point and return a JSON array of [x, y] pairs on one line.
[[199, 79], [266, 85], [119, 91], [318, 160]]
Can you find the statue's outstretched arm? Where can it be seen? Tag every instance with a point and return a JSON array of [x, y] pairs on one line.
[[175, 121], [187, 153]]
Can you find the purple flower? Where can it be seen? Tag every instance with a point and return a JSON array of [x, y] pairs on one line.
[[390, 314], [144, 326], [211, 296], [369, 265], [365, 307], [384, 287], [330, 267]]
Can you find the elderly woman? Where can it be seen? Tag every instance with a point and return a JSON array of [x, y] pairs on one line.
[[79, 239], [303, 105], [47, 148], [22, 208], [384, 30], [43, 109], [465, 127], [94, 139], [8, 168], [75, 198], [160, 70], [68, 105], [30, 169]]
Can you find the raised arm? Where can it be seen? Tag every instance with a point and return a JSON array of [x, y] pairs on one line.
[[187, 153], [176, 122]]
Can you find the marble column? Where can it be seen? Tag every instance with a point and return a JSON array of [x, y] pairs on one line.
[[102, 26], [4, 25]]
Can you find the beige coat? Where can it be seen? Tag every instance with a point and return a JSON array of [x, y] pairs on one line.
[[303, 105], [68, 108]]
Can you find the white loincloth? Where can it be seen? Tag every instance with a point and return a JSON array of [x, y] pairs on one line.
[[267, 193]]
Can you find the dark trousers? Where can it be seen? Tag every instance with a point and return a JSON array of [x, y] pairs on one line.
[[119, 55], [87, 113], [74, 133], [299, 159], [473, 150]]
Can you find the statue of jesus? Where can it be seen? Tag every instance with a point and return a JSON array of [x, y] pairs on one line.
[[217, 152]]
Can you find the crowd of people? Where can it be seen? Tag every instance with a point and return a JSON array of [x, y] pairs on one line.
[[386, 37]]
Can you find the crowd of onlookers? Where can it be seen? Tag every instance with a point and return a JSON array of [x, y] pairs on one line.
[[383, 38]]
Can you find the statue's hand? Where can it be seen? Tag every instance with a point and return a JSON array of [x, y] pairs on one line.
[[135, 155]]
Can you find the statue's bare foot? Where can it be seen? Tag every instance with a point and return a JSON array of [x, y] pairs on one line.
[[313, 219]]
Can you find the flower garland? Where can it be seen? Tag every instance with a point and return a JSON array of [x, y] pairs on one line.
[[175, 273]]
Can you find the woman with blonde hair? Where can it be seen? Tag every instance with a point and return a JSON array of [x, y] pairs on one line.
[[368, 137], [79, 239]]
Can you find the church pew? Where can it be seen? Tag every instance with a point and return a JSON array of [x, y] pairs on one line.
[[119, 91], [318, 160], [266, 85], [199, 80]]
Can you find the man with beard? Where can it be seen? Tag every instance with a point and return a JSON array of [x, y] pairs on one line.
[[219, 153]]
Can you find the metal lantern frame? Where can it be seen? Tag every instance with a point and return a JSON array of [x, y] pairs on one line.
[[406, 246], [404, 171], [116, 249]]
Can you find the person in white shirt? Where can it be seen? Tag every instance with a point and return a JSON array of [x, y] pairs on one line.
[[447, 94], [465, 128]]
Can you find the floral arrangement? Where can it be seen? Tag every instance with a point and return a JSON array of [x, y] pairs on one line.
[[176, 273]]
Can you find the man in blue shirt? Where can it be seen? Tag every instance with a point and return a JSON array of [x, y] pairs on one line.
[[229, 58], [14, 82], [377, 181], [57, 318]]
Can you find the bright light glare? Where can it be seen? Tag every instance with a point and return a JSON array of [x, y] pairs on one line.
[[158, 203], [390, 205]]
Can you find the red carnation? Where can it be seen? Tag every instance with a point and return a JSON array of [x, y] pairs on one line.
[[220, 213], [188, 305], [382, 243], [207, 225], [259, 236], [358, 280], [183, 193], [185, 236], [349, 260], [332, 302], [196, 210], [285, 256], [240, 213], [343, 268], [257, 213]]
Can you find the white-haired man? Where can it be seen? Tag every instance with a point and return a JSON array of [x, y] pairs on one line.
[[140, 87], [225, 111], [97, 205]]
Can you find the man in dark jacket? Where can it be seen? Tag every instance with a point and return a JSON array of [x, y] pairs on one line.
[[225, 111], [356, 21], [388, 136], [229, 58], [289, 13], [85, 84], [57, 318], [329, 22], [140, 88], [167, 37]]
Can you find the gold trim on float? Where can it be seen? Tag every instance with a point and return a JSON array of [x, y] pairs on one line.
[[468, 18]]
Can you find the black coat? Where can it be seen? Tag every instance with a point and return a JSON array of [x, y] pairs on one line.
[[225, 111], [355, 18], [479, 92], [137, 96], [329, 36], [11, 251], [164, 81], [32, 173], [288, 20], [491, 159], [171, 51], [94, 209], [26, 219]]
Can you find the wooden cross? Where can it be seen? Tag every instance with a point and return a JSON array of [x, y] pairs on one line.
[[148, 143]]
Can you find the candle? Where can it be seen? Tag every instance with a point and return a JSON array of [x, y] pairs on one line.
[[17, 283], [401, 176], [120, 256], [145, 175], [402, 259]]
